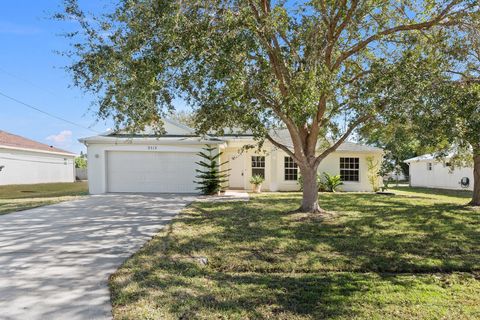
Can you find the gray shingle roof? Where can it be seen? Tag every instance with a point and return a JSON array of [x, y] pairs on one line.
[[280, 135], [283, 137], [357, 147]]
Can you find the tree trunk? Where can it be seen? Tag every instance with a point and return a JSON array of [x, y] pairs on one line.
[[476, 180], [310, 190]]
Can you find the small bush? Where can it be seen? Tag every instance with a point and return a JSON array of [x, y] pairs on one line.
[[332, 181], [80, 162], [328, 183], [257, 180], [373, 173]]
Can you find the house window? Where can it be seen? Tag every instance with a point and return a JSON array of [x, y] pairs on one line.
[[350, 169], [258, 166], [291, 169], [429, 166]]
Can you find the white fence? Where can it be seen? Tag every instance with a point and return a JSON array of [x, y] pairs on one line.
[[81, 173]]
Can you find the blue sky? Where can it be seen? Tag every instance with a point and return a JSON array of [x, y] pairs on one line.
[[31, 71]]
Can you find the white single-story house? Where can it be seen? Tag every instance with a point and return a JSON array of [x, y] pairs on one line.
[[24, 161], [147, 163], [430, 172]]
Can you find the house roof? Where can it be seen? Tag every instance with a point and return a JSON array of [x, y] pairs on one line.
[[179, 133], [349, 146], [13, 141], [171, 127], [283, 136], [427, 157]]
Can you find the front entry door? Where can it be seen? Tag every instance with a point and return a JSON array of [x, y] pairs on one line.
[[236, 164]]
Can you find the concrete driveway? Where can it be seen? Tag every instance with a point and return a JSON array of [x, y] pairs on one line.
[[55, 260]]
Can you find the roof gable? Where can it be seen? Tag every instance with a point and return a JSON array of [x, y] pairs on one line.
[[171, 128], [175, 128], [10, 140]]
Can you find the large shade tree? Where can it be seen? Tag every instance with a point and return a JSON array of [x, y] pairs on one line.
[[465, 131], [459, 117], [440, 100], [257, 65], [453, 119], [398, 139]]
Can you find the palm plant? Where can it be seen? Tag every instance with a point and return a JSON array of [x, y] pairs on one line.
[[332, 181]]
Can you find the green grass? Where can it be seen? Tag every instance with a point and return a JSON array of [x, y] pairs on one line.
[[415, 255], [26, 196], [456, 196]]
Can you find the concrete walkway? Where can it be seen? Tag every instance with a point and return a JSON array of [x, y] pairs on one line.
[[55, 260], [228, 196]]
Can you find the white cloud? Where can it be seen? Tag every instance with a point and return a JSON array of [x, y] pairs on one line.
[[62, 138]]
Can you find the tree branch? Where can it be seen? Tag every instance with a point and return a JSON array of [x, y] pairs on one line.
[[273, 52], [407, 27], [337, 31], [283, 147], [334, 147], [312, 137]]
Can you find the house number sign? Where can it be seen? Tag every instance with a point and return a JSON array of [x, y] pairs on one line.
[[152, 148]]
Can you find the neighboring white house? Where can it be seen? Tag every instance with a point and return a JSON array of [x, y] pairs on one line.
[[24, 161], [147, 163], [428, 171]]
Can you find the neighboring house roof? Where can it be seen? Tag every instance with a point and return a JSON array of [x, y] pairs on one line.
[[427, 157], [178, 133], [13, 141]]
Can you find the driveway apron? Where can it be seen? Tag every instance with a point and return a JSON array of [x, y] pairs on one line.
[[55, 260]]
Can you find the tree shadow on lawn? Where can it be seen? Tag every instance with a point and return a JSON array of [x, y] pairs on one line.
[[429, 192], [398, 236], [264, 262], [187, 290], [368, 234], [182, 289]]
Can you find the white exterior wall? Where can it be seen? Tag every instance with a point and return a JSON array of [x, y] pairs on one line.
[[97, 159], [245, 162], [30, 167], [331, 165], [274, 168], [439, 177], [239, 162]]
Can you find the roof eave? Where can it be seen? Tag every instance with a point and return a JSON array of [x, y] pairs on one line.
[[38, 151], [144, 140]]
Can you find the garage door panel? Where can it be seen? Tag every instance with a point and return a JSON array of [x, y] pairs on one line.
[[151, 171]]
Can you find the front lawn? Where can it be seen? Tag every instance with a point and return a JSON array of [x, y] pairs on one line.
[[26, 196], [411, 256]]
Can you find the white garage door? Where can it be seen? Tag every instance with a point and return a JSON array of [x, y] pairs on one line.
[[151, 171]]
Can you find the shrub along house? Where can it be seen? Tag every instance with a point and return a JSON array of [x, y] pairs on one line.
[[143, 162]]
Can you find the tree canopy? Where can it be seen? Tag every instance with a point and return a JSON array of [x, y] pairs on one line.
[[441, 102], [307, 66]]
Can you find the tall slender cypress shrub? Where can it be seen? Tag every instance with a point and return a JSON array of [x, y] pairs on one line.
[[209, 177]]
